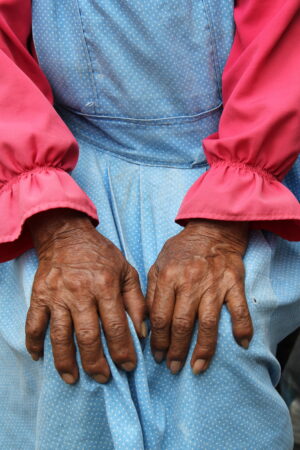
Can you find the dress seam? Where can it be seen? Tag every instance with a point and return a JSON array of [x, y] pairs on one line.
[[217, 67], [160, 121], [88, 56]]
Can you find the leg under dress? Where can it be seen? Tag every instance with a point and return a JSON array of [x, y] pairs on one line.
[[138, 157], [234, 405]]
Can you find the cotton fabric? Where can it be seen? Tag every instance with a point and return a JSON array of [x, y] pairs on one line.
[[139, 134], [234, 405], [250, 150]]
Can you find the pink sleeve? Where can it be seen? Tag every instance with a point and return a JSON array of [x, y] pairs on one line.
[[36, 148], [259, 132]]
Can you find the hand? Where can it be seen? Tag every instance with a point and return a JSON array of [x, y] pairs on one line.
[[197, 271], [81, 276]]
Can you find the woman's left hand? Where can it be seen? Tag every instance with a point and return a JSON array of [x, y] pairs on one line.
[[196, 272]]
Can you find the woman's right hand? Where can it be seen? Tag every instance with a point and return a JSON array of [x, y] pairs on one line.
[[81, 276]]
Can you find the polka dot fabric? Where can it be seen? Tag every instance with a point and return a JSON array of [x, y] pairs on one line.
[[234, 405], [137, 173], [124, 54]]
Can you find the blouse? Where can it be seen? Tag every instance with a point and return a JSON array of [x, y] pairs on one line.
[[256, 144]]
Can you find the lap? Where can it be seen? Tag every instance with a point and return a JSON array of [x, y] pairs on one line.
[[234, 400], [233, 405]]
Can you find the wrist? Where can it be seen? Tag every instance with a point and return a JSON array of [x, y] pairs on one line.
[[52, 224], [233, 232]]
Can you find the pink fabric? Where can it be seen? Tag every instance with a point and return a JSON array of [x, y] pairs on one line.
[[37, 149], [259, 132], [257, 141]]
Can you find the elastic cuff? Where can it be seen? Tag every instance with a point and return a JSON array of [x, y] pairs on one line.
[[33, 192], [237, 192]]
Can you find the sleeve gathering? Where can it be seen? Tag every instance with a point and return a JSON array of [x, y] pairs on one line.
[[259, 131], [37, 150]]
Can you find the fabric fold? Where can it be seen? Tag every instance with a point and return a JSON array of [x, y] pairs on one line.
[[237, 192], [29, 193]]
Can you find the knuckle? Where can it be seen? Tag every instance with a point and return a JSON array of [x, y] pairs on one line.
[[230, 277], [33, 347], [62, 365], [170, 272], [59, 335], [82, 306], [39, 286], [182, 326], [152, 272], [134, 274], [122, 355], [206, 351], [193, 270], [33, 332], [106, 279], [241, 314], [75, 284], [159, 323], [235, 277], [177, 353], [87, 336], [208, 322], [91, 367], [243, 329], [243, 333], [116, 330], [239, 277]]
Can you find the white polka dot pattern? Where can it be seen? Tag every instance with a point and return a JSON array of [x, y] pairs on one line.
[[233, 406], [137, 175], [147, 60]]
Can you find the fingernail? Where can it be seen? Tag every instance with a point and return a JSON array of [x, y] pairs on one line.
[[35, 356], [100, 378], [159, 356], [245, 343], [68, 378], [144, 330], [199, 366], [175, 366], [128, 367]]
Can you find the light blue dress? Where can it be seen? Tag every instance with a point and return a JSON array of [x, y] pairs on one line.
[[138, 83]]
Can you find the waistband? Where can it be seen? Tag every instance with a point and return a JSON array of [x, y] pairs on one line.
[[171, 141]]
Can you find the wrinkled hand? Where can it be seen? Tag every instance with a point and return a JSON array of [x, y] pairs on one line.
[[197, 271], [81, 276]]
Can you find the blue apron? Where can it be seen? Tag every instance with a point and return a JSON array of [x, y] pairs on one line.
[[139, 84]]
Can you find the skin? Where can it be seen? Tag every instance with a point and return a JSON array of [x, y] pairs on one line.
[[197, 271], [82, 275]]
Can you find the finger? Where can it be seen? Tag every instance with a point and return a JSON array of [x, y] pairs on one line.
[[87, 329], [63, 348], [151, 286], [116, 329], [35, 329], [161, 318], [240, 317], [208, 316], [182, 329], [134, 302]]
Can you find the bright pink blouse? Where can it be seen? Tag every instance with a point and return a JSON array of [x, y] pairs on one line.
[[255, 146]]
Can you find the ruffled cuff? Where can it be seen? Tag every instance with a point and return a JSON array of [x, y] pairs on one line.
[[238, 192], [30, 193]]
